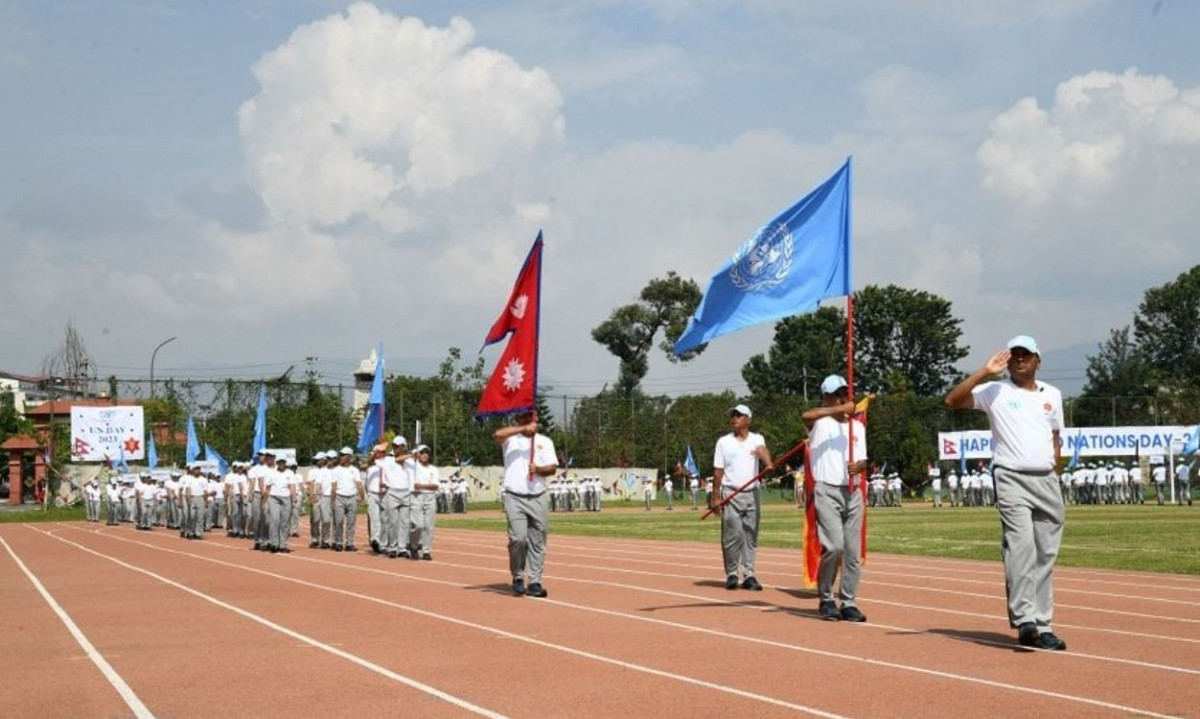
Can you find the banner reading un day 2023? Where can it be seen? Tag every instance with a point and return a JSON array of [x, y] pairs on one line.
[[105, 434], [1092, 441]]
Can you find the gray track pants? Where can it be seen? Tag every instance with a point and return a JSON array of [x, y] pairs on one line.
[[321, 520], [739, 531], [1031, 520], [839, 528], [397, 505], [528, 524], [345, 516], [280, 518], [424, 506], [375, 517]]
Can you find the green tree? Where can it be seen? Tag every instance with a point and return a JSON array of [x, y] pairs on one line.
[[665, 305], [1120, 385], [904, 340], [11, 421], [904, 332], [1167, 327], [806, 348]]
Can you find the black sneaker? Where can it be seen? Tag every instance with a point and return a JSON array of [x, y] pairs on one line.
[[1048, 640], [337, 547], [751, 583], [731, 582], [375, 546], [519, 587], [537, 590], [427, 557], [314, 544], [829, 611], [351, 548], [1027, 634], [851, 613]]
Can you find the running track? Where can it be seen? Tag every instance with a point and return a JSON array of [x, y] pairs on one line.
[[111, 622]]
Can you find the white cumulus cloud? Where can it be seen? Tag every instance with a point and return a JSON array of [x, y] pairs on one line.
[[1100, 127]]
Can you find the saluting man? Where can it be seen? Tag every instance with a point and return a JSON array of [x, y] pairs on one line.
[[529, 458], [1026, 417], [736, 461]]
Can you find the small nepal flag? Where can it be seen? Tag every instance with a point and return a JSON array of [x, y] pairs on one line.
[[513, 384]]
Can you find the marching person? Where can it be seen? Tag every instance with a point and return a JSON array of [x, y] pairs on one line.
[[736, 461], [233, 500], [935, 484], [316, 507], [375, 490], [254, 480], [834, 436], [114, 503], [280, 492], [91, 498], [424, 493], [398, 470], [174, 499], [529, 458], [647, 491], [669, 491], [1183, 481], [694, 487], [348, 490], [146, 492], [1026, 417], [194, 489], [298, 500]]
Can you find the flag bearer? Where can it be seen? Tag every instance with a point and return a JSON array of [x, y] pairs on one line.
[[736, 461], [529, 458]]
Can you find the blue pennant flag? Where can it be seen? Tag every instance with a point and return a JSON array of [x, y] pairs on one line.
[[372, 428], [260, 422], [124, 464], [1075, 455], [151, 452], [1192, 443], [799, 258], [211, 455], [193, 444], [690, 464]]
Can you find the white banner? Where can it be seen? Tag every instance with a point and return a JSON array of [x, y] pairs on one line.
[[1092, 442], [102, 434]]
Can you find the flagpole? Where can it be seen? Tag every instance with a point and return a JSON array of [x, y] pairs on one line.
[[850, 373]]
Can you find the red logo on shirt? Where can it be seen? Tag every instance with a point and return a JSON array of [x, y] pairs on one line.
[[1048, 407]]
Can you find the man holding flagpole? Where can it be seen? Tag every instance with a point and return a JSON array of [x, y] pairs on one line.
[[832, 431], [529, 457], [736, 462]]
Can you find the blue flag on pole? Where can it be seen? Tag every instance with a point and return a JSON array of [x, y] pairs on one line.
[[793, 262], [260, 422], [124, 464], [372, 428], [1075, 454], [193, 444], [151, 452], [1192, 443], [690, 464], [211, 455]]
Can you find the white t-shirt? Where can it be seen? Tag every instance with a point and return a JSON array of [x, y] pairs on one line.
[[375, 476], [398, 475], [114, 493], [1183, 473], [1159, 473], [669, 486], [92, 492], [279, 484], [1135, 474], [829, 445], [516, 463], [694, 484], [738, 458], [346, 480], [1022, 421], [255, 476], [936, 484], [425, 474], [952, 480]]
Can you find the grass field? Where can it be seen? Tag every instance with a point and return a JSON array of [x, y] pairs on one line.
[[1138, 537]]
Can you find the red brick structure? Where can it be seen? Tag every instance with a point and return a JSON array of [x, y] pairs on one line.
[[16, 447]]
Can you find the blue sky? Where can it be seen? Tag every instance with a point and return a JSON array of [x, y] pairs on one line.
[[276, 179]]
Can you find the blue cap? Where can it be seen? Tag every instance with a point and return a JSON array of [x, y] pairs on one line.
[[832, 383], [1026, 342]]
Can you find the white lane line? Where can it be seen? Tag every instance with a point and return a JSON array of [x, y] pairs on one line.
[[907, 575], [442, 617], [874, 582], [382, 671], [130, 698], [779, 556], [649, 620]]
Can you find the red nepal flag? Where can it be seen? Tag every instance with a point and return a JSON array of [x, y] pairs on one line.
[[513, 385]]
